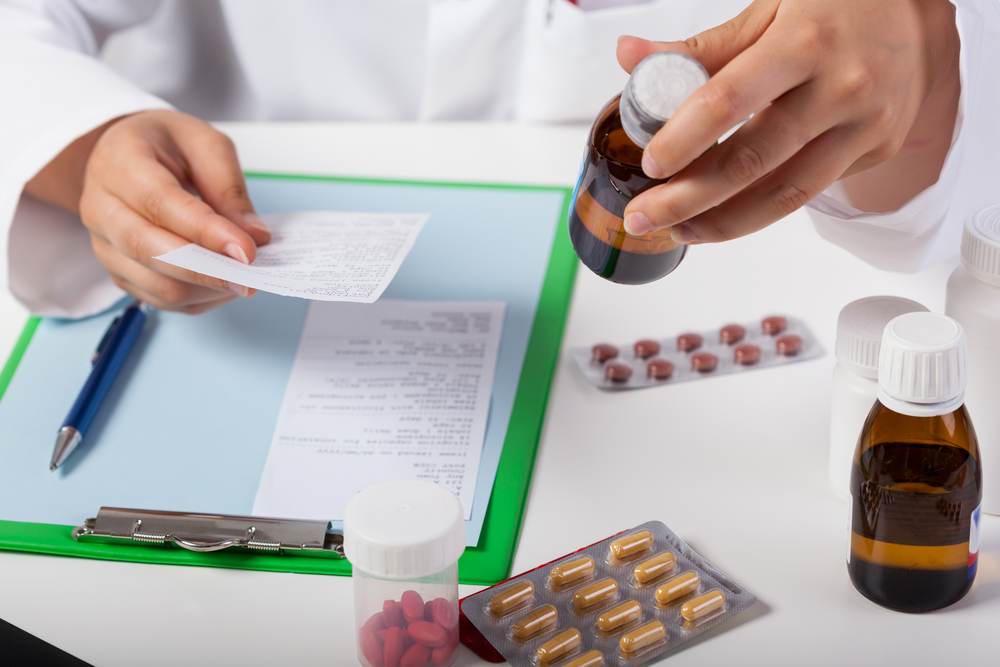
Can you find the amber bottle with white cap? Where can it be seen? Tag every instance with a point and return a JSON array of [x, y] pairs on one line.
[[403, 539], [916, 484], [855, 377], [973, 298], [611, 173]]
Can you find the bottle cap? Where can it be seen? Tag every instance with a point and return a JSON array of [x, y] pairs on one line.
[[659, 84], [404, 529], [922, 365], [981, 244], [860, 327]]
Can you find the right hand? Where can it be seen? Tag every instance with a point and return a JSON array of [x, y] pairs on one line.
[[140, 199]]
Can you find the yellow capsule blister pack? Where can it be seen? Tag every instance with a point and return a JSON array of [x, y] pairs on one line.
[[620, 602]]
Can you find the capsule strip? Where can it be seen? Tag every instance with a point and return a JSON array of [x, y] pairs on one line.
[[512, 596], [559, 645], [588, 659], [703, 605], [654, 567], [533, 622], [680, 585], [642, 637], [632, 544], [571, 571], [594, 593], [618, 616]]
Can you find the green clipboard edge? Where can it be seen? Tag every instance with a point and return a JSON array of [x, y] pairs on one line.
[[485, 564]]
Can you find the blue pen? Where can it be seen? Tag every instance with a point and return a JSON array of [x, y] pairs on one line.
[[109, 358]]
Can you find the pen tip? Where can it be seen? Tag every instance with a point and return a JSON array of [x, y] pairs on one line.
[[52, 467]]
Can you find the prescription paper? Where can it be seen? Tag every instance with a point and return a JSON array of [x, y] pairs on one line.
[[319, 255], [391, 390]]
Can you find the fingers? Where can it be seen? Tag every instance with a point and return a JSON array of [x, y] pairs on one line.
[[800, 179]]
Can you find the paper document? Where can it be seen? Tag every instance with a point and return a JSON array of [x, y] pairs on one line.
[[395, 389], [320, 255]]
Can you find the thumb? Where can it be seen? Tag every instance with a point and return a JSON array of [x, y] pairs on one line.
[[713, 48]]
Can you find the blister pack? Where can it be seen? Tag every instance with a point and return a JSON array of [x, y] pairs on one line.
[[619, 602], [732, 348]]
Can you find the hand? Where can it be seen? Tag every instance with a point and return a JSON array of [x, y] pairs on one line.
[[837, 88], [136, 182]]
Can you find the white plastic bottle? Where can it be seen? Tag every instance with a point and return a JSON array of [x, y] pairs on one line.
[[855, 377], [973, 298]]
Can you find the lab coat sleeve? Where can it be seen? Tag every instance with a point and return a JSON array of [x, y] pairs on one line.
[[54, 91], [928, 228]]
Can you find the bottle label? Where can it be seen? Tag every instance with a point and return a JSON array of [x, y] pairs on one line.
[[974, 541]]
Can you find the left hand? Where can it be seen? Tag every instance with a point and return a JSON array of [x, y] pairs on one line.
[[837, 88]]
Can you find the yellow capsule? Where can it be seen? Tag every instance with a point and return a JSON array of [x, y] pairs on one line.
[[511, 596], [632, 544], [571, 571], [678, 586], [588, 659], [533, 622], [594, 593], [559, 645], [703, 605], [654, 567], [620, 615], [642, 637]]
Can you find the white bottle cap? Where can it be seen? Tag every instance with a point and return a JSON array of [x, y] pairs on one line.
[[981, 244], [404, 529], [659, 84], [860, 327], [922, 365]]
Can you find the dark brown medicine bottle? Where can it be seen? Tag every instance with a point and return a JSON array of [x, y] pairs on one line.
[[916, 483], [611, 173]]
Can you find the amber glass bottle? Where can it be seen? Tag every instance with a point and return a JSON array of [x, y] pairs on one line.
[[916, 482]]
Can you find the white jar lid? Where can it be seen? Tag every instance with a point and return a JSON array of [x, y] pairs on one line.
[[922, 365], [860, 327], [404, 529], [981, 244]]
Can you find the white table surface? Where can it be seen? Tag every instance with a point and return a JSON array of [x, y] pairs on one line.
[[736, 465]]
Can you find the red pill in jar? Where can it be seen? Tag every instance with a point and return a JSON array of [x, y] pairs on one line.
[[443, 613], [375, 623], [407, 639], [689, 341], [428, 634], [392, 614], [773, 325], [746, 354], [788, 345], [442, 654], [704, 362], [618, 372], [415, 656], [731, 333], [412, 605], [602, 352], [395, 646], [371, 647], [644, 349], [659, 369]]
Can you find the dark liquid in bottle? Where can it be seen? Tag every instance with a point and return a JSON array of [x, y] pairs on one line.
[[612, 176], [913, 506]]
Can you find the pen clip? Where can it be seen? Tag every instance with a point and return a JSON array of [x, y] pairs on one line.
[[105, 339]]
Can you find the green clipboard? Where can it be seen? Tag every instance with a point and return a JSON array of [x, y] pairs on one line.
[[488, 562]]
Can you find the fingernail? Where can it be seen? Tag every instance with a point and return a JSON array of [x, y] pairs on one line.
[[621, 37], [636, 224], [236, 252], [238, 290], [683, 234], [254, 221], [650, 168]]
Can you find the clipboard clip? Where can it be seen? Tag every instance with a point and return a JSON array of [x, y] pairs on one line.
[[206, 533]]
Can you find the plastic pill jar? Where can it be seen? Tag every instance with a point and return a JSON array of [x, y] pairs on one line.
[[973, 298], [855, 377], [403, 539]]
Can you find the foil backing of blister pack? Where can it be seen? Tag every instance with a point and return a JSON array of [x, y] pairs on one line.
[[595, 371], [498, 628]]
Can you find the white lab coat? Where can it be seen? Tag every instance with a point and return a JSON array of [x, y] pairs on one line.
[[67, 66]]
